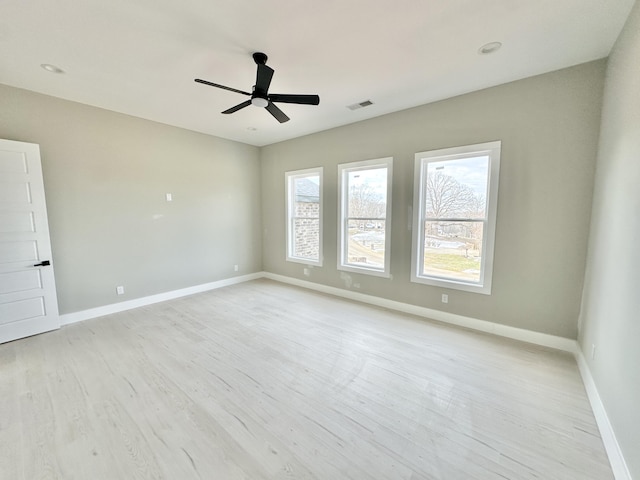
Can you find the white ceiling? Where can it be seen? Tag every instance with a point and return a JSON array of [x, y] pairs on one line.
[[140, 56]]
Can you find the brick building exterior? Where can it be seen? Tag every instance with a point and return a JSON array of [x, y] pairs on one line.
[[306, 232]]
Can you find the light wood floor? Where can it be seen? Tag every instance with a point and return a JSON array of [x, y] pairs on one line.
[[266, 381]]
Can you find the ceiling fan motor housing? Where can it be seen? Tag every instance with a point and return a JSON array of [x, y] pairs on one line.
[[260, 58]]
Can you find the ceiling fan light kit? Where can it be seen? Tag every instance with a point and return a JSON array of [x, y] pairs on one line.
[[260, 96], [259, 102]]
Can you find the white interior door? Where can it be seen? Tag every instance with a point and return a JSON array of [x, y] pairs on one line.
[[28, 303]]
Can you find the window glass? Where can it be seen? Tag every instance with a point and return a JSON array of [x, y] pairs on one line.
[[454, 216], [304, 208], [365, 208]]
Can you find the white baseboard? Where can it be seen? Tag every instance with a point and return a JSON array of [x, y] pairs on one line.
[[537, 338], [543, 339], [618, 464], [74, 317]]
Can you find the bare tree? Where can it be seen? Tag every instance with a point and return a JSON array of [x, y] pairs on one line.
[[365, 202], [448, 198], [477, 208]]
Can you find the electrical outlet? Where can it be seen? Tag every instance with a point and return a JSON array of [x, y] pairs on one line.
[[445, 298], [235, 268], [593, 351], [306, 272], [120, 290], [169, 197]]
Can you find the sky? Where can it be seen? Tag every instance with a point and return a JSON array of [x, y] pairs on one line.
[[472, 171], [376, 178]]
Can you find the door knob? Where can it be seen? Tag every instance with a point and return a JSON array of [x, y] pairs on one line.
[[44, 263]]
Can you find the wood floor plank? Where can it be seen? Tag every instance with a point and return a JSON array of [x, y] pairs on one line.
[[266, 381]]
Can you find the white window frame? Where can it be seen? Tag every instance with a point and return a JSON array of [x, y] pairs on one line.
[[343, 230], [422, 159], [290, 214]]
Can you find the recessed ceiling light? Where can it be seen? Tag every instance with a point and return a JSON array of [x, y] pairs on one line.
[[51, 68], [489, 48]]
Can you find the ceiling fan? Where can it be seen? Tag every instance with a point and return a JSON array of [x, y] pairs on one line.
[[260, 97]]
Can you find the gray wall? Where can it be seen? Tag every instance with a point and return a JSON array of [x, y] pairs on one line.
[[611, 303], [549, 126], [106, 176]]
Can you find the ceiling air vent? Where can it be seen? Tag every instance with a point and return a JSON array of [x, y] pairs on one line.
[[356, 106]]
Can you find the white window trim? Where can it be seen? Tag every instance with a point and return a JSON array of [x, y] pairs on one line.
[[289, 208], [343, 170], [492, 149]]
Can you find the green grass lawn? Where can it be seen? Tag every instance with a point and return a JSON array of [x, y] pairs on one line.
[[450, 261]]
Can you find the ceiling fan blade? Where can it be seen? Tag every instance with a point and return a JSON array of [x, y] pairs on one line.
[[221, 86], [238, 107], [276, 112], [301, 99], [263, 78]]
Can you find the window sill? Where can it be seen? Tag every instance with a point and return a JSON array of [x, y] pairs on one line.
[[364, 271], [305, 261], [453, 285]]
